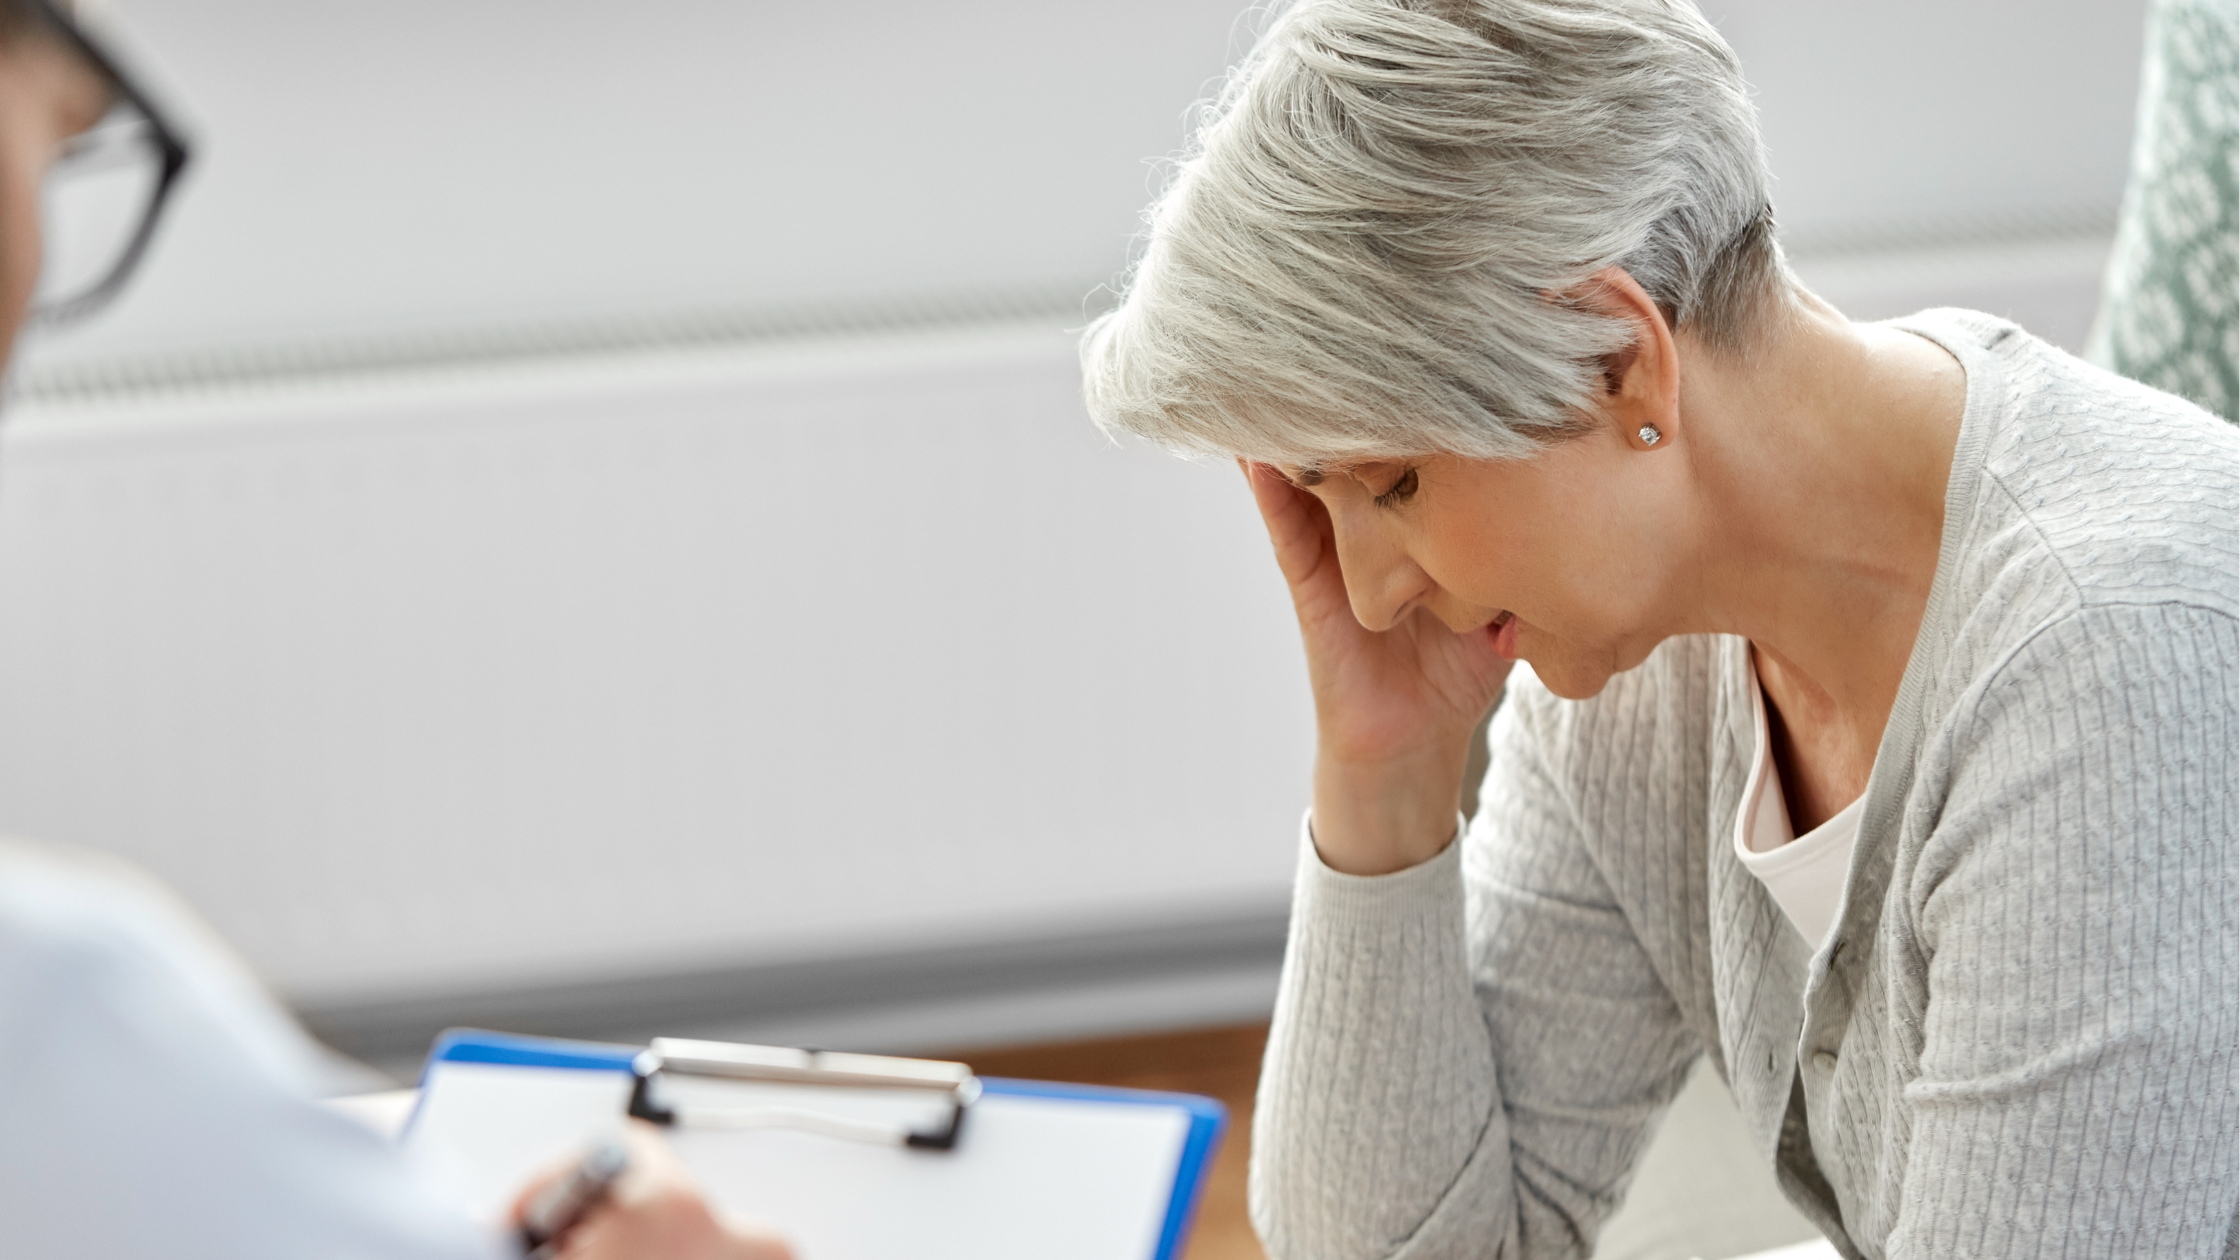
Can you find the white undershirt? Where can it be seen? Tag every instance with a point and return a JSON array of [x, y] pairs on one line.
[[1804, 873]]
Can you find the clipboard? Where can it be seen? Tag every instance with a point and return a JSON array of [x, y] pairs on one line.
[[1033, 1169]]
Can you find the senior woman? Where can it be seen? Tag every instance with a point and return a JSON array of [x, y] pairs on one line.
[[1878, 739]]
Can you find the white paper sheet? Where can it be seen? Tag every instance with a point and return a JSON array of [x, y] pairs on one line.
[[483, 1129]]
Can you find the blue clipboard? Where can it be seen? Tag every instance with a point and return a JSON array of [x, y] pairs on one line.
[[1207, 1117]]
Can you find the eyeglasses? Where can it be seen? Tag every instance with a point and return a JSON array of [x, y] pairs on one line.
[[106, 191]]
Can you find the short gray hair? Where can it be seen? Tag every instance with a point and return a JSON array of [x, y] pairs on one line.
[[1367, 249]]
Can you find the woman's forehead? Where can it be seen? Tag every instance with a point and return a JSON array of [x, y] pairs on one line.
[[1307, 476]]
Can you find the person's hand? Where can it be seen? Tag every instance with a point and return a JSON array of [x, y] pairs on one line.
[[1394, 709], [656, 1212]]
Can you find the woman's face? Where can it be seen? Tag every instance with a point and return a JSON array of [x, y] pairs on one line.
[[1574, 545], [47, 95]]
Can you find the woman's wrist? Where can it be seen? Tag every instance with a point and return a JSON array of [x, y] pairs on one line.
[[1386, 816]]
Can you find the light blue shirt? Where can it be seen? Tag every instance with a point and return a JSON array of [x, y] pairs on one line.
[[154, 1101]]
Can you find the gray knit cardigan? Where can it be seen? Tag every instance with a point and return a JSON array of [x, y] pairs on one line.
[[2020, 1039]]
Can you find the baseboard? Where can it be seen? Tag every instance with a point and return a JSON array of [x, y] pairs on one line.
[[1180, 975]]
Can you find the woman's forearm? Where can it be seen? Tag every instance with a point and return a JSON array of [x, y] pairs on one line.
[[1378, 1118]]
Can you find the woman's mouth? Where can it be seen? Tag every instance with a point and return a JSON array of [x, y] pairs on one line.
[[1504, 631]]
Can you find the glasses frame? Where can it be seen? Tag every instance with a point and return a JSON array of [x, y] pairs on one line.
[[172, 147]]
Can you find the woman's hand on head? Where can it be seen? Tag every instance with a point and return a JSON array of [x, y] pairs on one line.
[[1394, 708], [657, 1212]]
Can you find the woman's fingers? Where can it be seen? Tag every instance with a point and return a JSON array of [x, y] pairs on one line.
[[1297, 526], [1306, 548]]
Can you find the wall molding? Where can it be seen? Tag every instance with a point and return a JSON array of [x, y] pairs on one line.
[[1933, 233], [76, 382], [71, 381], [876, 995]]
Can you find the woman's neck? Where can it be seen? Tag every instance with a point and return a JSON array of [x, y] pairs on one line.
[[1822, 463]]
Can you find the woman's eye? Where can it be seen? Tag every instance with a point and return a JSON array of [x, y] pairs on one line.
[[1402, 490]]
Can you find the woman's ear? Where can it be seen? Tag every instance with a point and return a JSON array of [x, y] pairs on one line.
[[1641, 383]]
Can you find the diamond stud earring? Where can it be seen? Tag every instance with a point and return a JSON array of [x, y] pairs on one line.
[[1649, 435]]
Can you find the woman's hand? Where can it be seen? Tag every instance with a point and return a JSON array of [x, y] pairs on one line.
[[1394, 709], [656, 1212]]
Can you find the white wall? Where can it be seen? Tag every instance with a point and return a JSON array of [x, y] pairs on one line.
[[530, 676], [1897, 110], [410, 167], [456, 161], [415, 164]]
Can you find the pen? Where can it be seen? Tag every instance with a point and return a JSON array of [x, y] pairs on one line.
[[558, 1207]]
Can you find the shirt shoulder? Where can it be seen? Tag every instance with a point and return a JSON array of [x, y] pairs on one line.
[[82, 924], [162, 1103], [2127, 495]]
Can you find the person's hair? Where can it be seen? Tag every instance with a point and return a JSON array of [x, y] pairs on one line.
[[18, 18], [22, 20], [1375, 245]]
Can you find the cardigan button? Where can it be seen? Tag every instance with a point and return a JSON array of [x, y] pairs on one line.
[[1825, 1060]]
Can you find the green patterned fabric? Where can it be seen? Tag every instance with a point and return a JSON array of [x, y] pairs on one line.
[[2171, 314]]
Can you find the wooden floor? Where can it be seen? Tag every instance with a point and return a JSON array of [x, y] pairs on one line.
[[1222, 1062]]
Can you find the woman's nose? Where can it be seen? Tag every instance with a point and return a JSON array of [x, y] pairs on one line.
[[1381, 582]]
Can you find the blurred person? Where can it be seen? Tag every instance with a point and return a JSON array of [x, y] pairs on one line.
[[1877, 732], [154, 1101]]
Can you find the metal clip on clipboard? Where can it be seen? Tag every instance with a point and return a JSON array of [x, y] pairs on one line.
[[864, 1097]]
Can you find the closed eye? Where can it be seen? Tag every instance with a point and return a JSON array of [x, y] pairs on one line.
[[1402, 490]]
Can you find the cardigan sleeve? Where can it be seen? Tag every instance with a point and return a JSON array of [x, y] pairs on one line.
[[2076, 906], [1468, 1057]]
